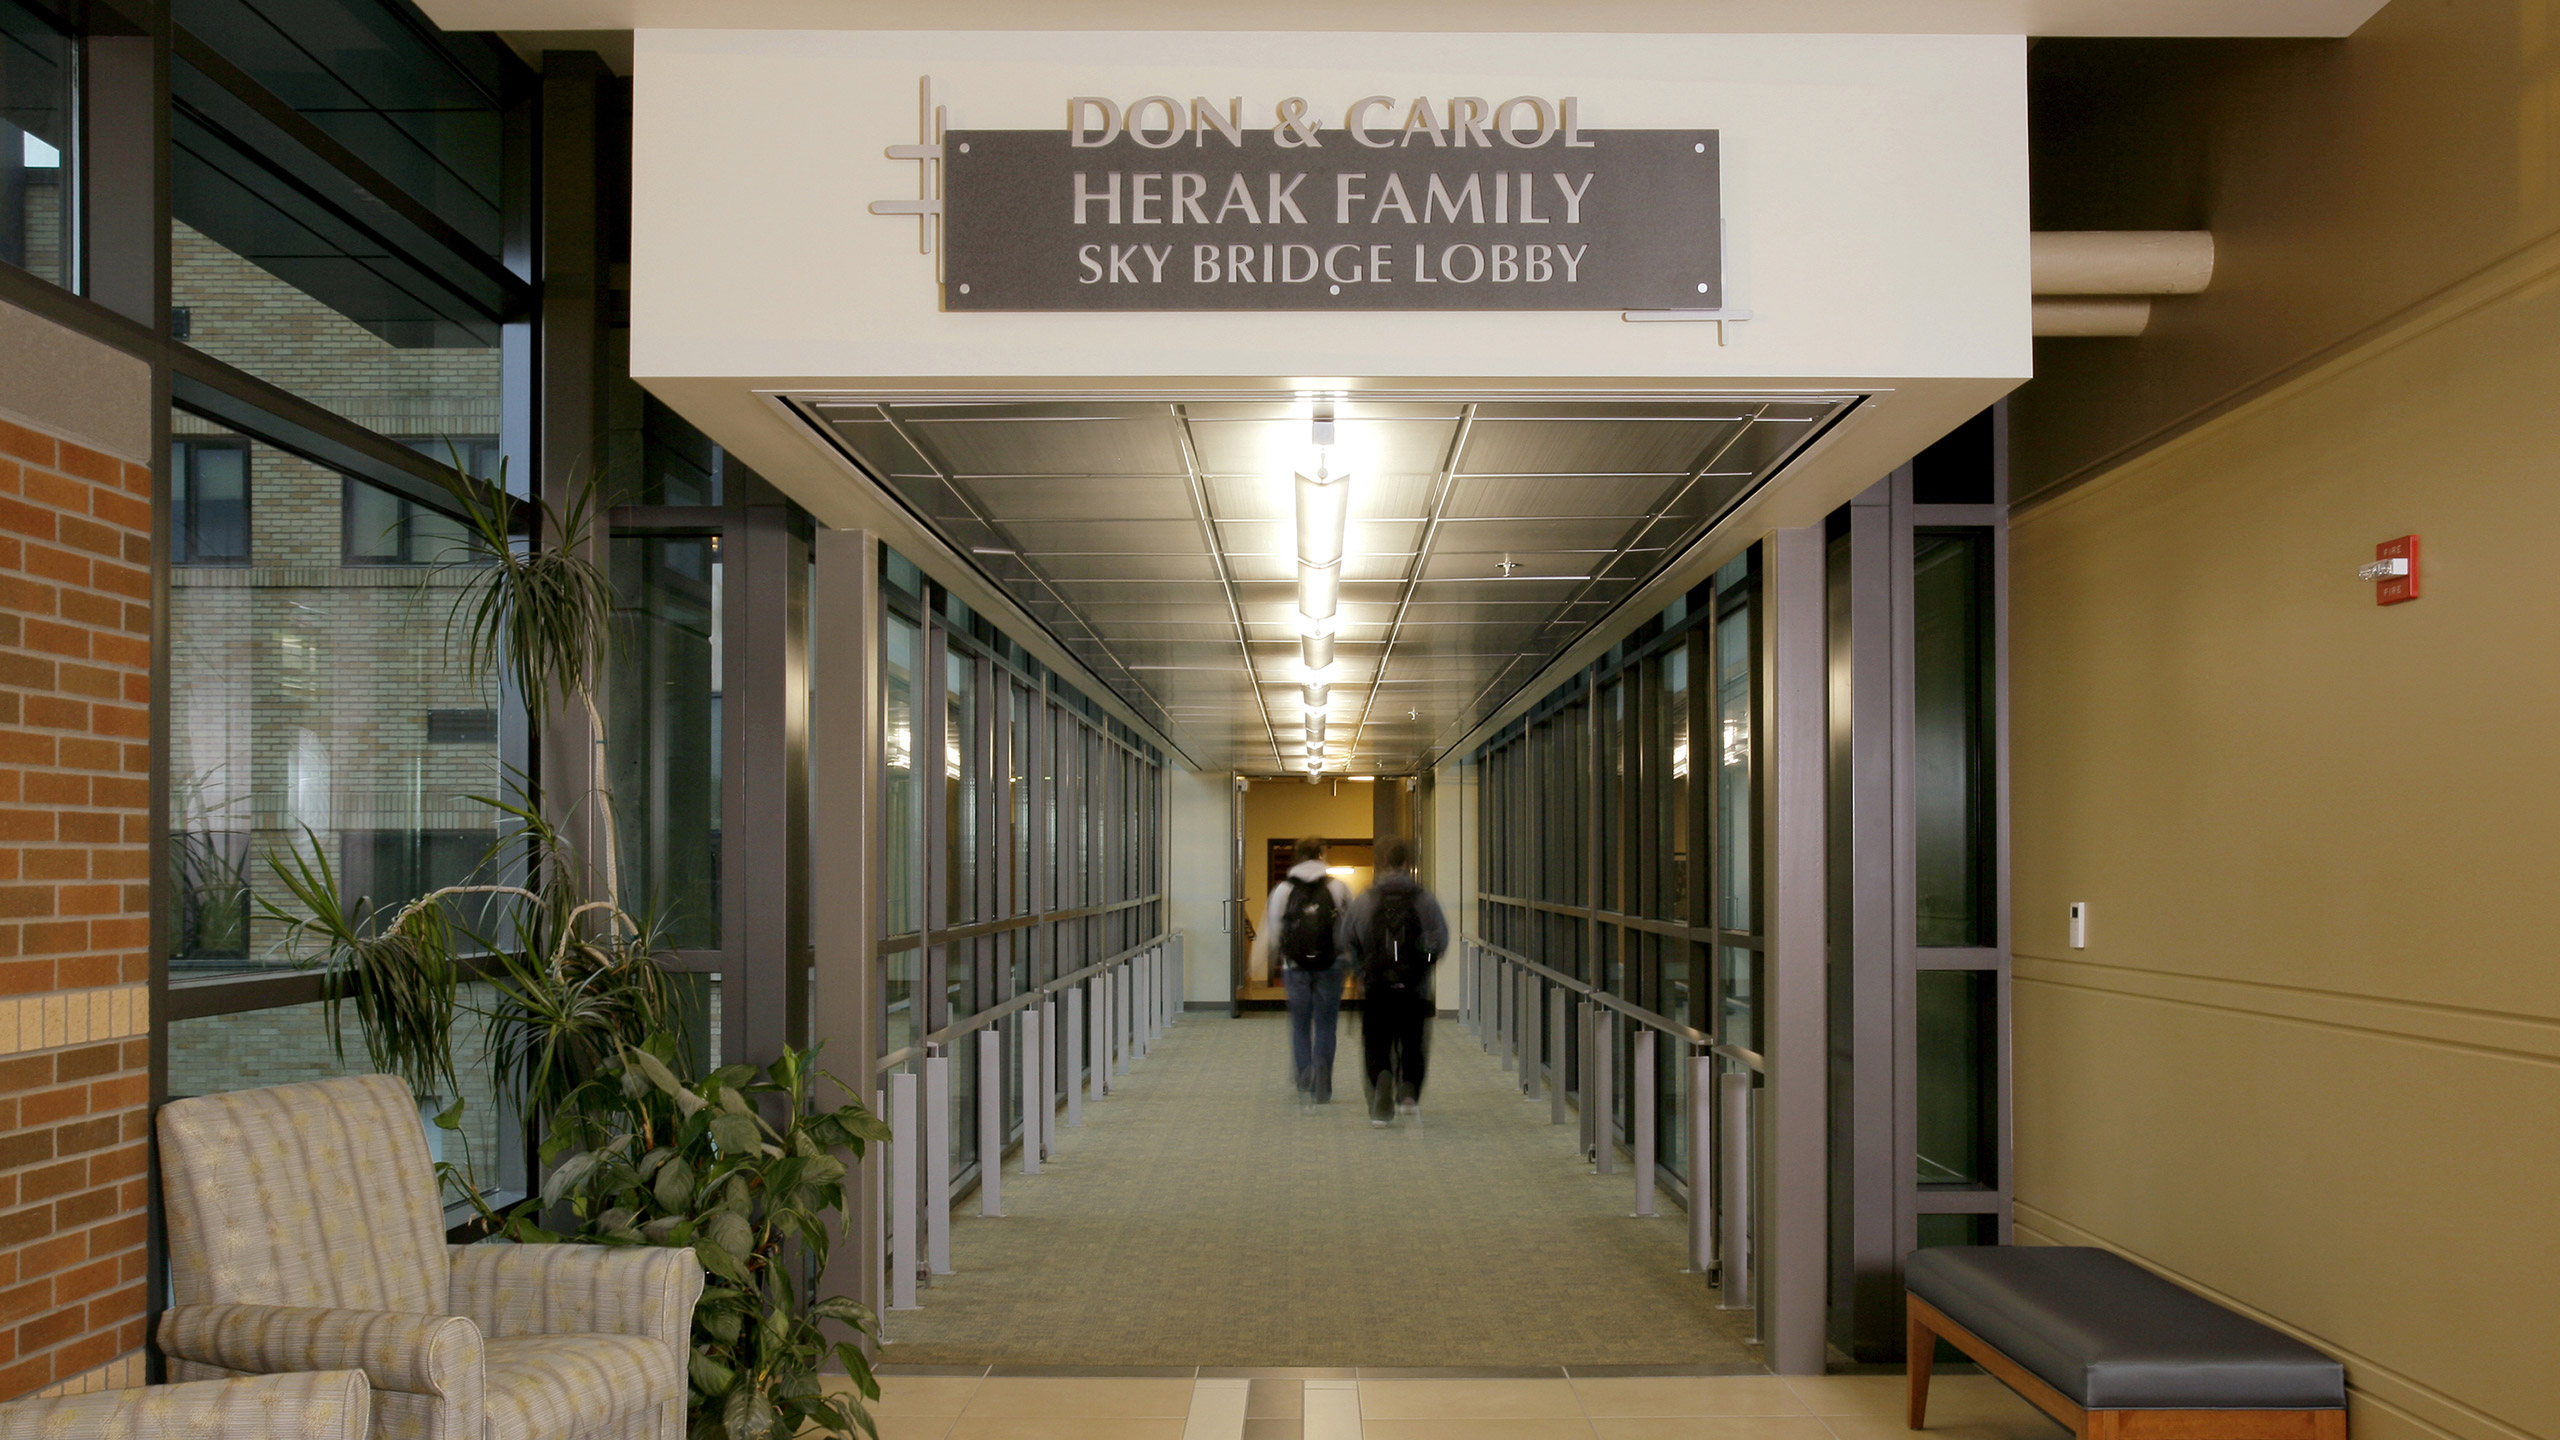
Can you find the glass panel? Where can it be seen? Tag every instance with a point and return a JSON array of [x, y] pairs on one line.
[[1017, 796], [1610, 811], [214, 1055], [698, 1017], [663, 732], [1673, 842], [1951, 701], [902, 848], [420, 108], [1739, 991], [960, 784], [1957, 1086], [39, 165], [1734, 889], [283, 269], [1936, 1230], [307, 707]]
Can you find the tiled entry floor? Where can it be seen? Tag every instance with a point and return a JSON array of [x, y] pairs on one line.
[[1376, 1405]]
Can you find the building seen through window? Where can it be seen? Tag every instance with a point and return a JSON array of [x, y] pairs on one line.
[[38, 160]]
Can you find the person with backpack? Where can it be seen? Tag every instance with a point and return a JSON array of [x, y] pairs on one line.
[[1306, 909], [1392, 935]]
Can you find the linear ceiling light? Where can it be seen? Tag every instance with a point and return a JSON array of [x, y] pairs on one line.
[[1324, 507]]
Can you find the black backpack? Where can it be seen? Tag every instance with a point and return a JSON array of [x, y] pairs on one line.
[[1400, 958], [1306, 927]]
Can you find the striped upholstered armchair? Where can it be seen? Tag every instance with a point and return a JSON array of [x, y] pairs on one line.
[[305, 1233], [320, 1405]]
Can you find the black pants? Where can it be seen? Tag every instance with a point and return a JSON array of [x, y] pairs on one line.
[[1395, 1040]]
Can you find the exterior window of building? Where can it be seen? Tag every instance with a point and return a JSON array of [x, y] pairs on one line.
[[303, 707], [209, 501], [386, 529], [39, 165]]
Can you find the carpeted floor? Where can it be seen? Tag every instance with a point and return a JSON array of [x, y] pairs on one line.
[[1201, 1216]]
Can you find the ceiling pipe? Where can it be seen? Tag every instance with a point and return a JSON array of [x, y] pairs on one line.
[[2089, 282], [2121, 262], [2091, 316]]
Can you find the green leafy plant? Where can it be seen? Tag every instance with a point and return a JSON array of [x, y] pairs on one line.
[[541, 613], [642, 1157], [562, 997]]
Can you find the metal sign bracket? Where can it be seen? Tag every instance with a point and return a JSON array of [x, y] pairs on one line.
[[927, 206]]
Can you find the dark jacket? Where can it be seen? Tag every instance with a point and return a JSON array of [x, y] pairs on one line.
[[1356, 938]]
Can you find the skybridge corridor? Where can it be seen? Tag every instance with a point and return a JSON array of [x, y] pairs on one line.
[[1204, 1215]]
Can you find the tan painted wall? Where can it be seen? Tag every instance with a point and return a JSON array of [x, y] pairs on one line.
[[1287, 809], [2310, 1059], [2345, 181]]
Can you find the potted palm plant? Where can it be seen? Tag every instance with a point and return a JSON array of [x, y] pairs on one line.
[[576, 1001]]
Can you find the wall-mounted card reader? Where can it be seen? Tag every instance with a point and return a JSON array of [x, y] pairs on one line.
[[2079, 924]]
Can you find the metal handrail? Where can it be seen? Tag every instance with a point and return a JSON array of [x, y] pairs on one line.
[[900, 943], [980, 1019], [1722, 1086], [1138, 992], [1751, 1060]]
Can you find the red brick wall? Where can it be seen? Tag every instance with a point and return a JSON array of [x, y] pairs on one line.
[[75, 907]]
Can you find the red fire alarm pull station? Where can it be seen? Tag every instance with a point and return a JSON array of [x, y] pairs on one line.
[[2394, 571]]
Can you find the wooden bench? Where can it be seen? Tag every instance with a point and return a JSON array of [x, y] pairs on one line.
[[2114, 1351]]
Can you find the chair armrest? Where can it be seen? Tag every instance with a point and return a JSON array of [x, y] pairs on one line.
[[324, 1405], [644, 1290], [437, 1355]]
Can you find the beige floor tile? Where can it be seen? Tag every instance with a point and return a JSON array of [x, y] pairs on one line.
[[1689, 1395], [1062, 1427], [2022, 1424], [1476, 1429], [1023, 1396], [913, 1427], [1849, 1394], [1288, 1428], [1467, 1400], [924, 1394], [1726, 1427], [1979, 1400], [1276, 1400]]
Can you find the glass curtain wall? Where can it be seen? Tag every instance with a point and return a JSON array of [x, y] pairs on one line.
[[1619, 838], [1034, 853], [322, 151]]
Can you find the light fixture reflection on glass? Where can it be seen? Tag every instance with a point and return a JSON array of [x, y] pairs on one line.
[[1680, 761], [1737, 742]]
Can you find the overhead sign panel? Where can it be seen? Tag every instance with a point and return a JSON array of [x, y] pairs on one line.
[[1467, 207]]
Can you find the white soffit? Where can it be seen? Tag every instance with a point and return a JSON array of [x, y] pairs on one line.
[[2211, 18]]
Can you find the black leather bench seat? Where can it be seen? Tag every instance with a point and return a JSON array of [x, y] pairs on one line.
[[2111, 1335]]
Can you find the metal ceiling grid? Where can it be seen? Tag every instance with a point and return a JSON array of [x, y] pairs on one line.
[[1155, 538]]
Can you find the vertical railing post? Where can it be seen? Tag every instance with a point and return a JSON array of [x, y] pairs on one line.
[[1702, 1195], [1647, 1097], [1557, 1081], [1123, 1005], [903, 1135], [990, 1119], [937, 1159], [1075, 1054], [1734, 1090], [1048, 1076], [1026, 1045], [1583, 1018], [1603, 1097]]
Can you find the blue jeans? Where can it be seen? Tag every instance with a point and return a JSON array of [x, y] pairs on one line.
[[1315, 1010]]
